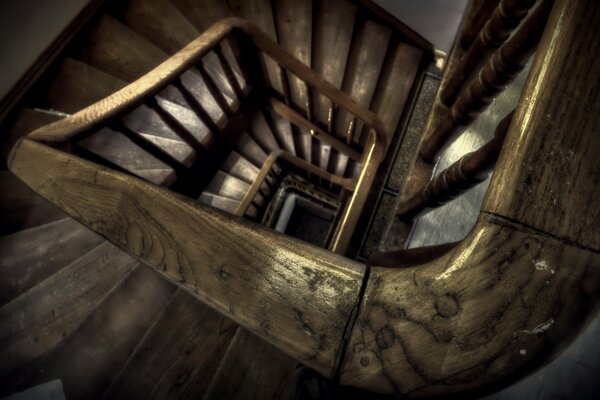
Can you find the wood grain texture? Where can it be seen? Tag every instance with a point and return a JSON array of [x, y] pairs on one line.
[[502, 303], [507, 15], [87, 361], [296, 296], [36, 321], [499, 70], [550, 156], [253, 369], [32, 255], [476, 15], [78, 85], [178, 356]]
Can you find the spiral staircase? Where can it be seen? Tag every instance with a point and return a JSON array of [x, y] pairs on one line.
[[168, 131], [77, 308]]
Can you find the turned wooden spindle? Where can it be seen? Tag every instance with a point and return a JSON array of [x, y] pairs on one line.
[[505, 18], [461, 176], [500, 70], [475, 17]]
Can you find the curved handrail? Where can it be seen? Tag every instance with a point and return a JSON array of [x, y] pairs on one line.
[[504, 301]]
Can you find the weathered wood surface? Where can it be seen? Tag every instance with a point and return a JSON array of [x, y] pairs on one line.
[[37, 320], [507, 15], [499, 70], [178, 356], [550, 158], [88, 360], [253, 369], [78, 85], [30, 256], [395, 83], [499, 305], [477, 13], [468, 171], [294, 295]]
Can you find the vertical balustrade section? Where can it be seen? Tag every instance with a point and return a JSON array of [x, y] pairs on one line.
[[505, 18], [468, 171], [500, 70]]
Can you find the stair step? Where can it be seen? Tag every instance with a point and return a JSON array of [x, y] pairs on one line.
[[395, 83], [161, 23], [259, 13], [231, 187], [89, 359], [248, 148], [284, 132], [253, 369], [40, 318], [120, 150], [178, 356], [203, 13], [225, 204], [21, 208], [26, 121], [263, 134], [32, 255], [333, 27], [364, 66], [293, 19], [237, 166], [78, 85], [114, 48]]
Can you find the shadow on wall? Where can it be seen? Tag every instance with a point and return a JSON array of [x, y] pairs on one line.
[[436, 20], [27, 28]]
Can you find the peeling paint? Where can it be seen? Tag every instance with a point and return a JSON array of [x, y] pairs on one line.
[[542, 265], [541, 328]]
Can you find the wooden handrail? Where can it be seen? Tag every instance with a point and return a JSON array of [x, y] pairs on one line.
[[526, 280], [499, 70], [501, 303], [470, 170]]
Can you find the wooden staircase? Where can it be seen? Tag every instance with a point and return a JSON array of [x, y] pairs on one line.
[[175, 122], [79, 309]]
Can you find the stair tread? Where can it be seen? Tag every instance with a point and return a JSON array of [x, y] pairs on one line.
[[236, 165], [32, 255], [363, 69], [21, 208], [248, 147], [253, 369], [26, 121], [334, 26], [284, 131], [396, 81], [259, 13], [203, 13], [116, 49], [161, 23], [226, 185], [78, 85], [294, 31], [226, 204], [120, 150], [93, 355], [263, 134], [179, 355], [40, 318]]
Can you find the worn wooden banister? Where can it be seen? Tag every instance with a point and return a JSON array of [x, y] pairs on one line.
[[499, 70], [468, 171], [505, 17], [511, 296], [484, 313]]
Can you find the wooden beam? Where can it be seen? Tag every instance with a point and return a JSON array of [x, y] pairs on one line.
[[294, 295]]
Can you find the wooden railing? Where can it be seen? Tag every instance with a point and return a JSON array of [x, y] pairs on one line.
[[467, 317], [257, 53]]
